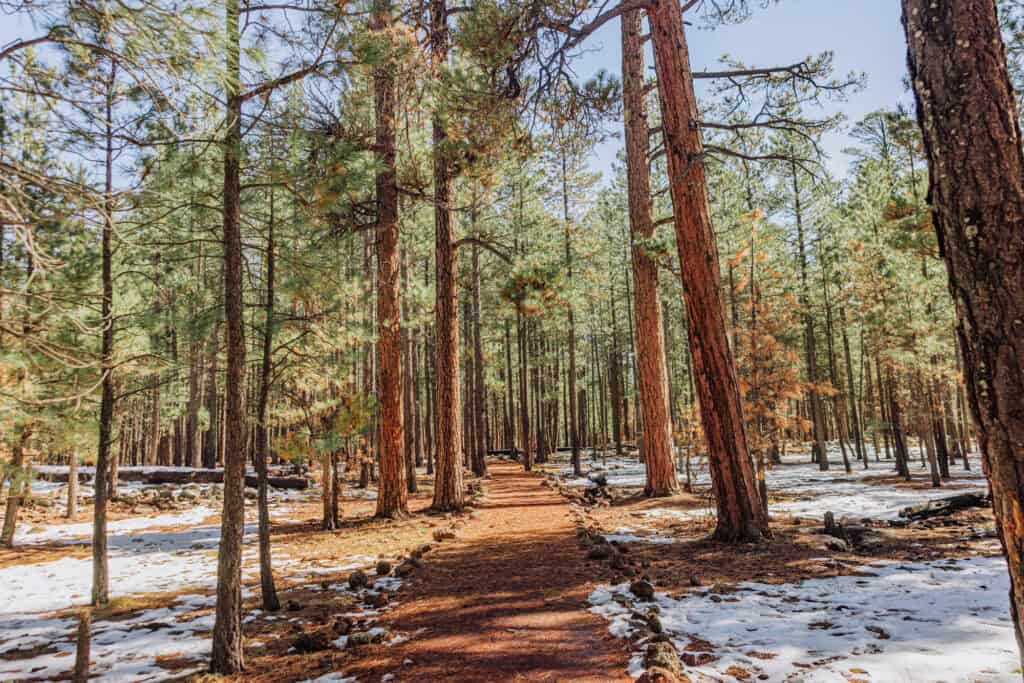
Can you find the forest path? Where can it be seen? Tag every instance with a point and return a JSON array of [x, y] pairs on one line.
[[504, 601]]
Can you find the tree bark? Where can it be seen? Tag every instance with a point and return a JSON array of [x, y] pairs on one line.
[[740, 516], [650, 335], [393, 496], [968, 118], [448, 489], [479, 387], [268, 591], [227, 654], [100, 569]]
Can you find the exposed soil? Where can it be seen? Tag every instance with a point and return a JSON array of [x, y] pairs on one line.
[[506, 600], [798, 549]]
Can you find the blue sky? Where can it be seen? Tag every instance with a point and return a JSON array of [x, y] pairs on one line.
[[864, 35]]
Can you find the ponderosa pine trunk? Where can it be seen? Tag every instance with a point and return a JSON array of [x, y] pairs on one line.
[[19, 484], [820, 455], [268, 592], [968, 117], [408, 400], [101, 484], [650, 335], [227, 655], [740, 516], [393, 496], [479, 387], [72, 507], [574, 409], [448, 489]]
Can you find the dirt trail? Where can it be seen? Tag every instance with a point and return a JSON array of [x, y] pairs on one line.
[[505, 601]]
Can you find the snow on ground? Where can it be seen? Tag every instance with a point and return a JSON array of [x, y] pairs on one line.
[[168, 552], [922, 622], [847, 495], [82, 532]]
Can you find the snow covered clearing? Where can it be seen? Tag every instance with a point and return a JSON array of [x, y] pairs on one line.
[[163, 553], [921, 622], [852, 495]]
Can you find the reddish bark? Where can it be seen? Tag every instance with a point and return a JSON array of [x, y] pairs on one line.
[[968, 118], [392, 498], [448, 488], [740, 516], [650, 335]]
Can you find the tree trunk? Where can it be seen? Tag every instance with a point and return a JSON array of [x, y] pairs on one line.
[[968, 117], [408, 355], [268, 591], [740, 516], [72, 510], [19, 484], [479, 388], [100, 569], [227, 653], [392, 497], [448, 489], [656, 439]]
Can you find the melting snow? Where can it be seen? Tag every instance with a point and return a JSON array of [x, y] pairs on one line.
[[934, 621]]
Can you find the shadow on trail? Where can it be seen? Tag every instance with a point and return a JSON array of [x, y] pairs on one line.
[[505, 602]]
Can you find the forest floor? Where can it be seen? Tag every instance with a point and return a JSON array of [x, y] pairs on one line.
[[514, 590]]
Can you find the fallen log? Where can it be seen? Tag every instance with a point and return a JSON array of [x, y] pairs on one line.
[[157, 476], [945, 506]]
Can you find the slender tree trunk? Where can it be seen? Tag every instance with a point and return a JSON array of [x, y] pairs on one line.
[[392, 498], [268, 591], [408, 355], [820, 455], [525, 437], [656, 442], [968, 117], [18, 487], [574, 436], [479, 388], [72, 510], [100, 569], [855, 425], [740, 516], [227, 653]]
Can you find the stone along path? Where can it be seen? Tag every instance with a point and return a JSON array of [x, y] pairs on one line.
[[506, 600]]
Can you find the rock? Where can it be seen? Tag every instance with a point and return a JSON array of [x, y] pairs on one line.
[[879, 632], [600, 552], [698, 658], [311, 641], [663, 655], [695, 580], [654, 623], [617, 562], [383, 568], [599, 478], [443, 535], [659, 675], [642, 589], [405, 569], [293, 606], [377, 600], [343, 626], [375, 635], [421, 551], [837, 545], [358, 579]]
